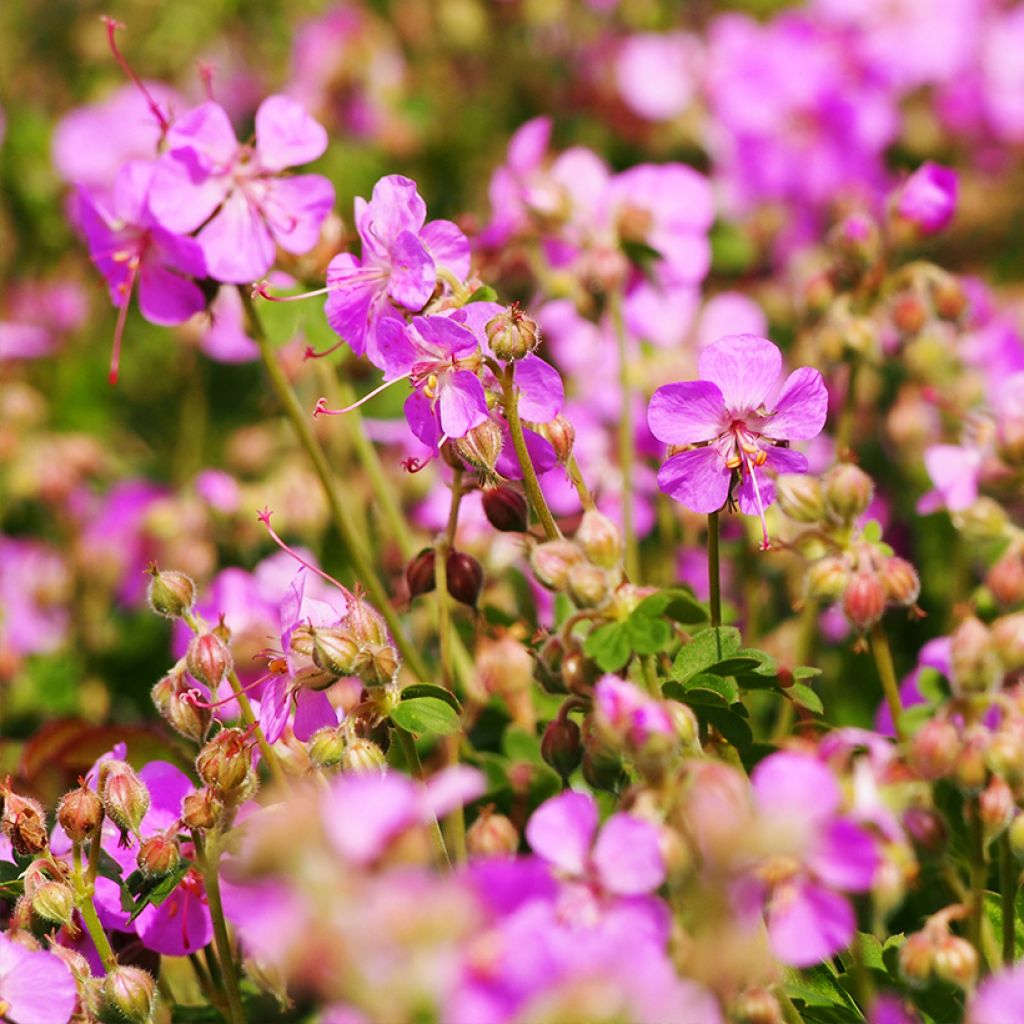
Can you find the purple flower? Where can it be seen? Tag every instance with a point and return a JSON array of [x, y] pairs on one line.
[[999, 999], [736, 425], [927, 199], [627, 712], [36, 987], [657, 73], [954, 471], [236, 194], [34, 588], [401, 256]]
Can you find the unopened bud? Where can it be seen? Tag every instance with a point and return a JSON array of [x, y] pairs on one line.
[[950, 298], [685, 723], [208, 659], [864, 601], [54, 901], [171, 594], [828, 578], [909, 313], [335, 651], [856, 245], [757, 1006], [366, 623], [935, 748], [552, 560], [588, 585], [23, 821], [801, 497], [492, 835], [848, 491], [201, 809], [579, 673], [901, 582], [1010, 436], [602, 770], [561, 435], [481, 446], [326, 747], [362, 756], [128, 994], [465, 577], [512, 334], [225, 762], [996, 807], [159, 855], [927, 830], [377, 664], [419, 573], [1004, 755], [125, 796], [1008, 640], [506, 509], [80, 813], [984, 520], [171, 698], [970, 770], [600, 539], [1006, 577], [561, 746], [548, 665], [975, 668], [917, 959], [956, 961]]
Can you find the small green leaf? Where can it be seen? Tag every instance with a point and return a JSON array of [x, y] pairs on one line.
[[676, 604], [872, 531], [732, 725], [722, 687], [426, 715], [416, 690], [708, 648], [932, 685], [609, 646], [647, 635], [805, 697], [152, 892], [485, 293], [806, 672]]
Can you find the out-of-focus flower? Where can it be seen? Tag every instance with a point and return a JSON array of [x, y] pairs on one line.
[[927, 199], [999, 999], [36, 987], [658, 73]]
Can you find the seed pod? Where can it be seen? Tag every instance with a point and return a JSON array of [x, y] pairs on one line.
[[335, 651], [172, 699], [552, 560], [561, 746], [208, 659], [376, 664], [848, 492], [201, 809], [80, 814], [128, 994], [828, 578], [801, 497], [159, 855], [864, 601], [512, 334], [125, 796], [54, 901], [492, 835], [465, 577], [366, 623], [481, 446], [170, 594], [23, 821], [506, 509], [901, 582], [419, 573], [225, 762], [600, 539]]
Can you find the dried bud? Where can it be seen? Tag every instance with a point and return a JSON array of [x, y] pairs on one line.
[[23, 822], [492, 835], [465, 577], [828, 578], [128, 994], [901, 582], [996, 807], [561, 435], [917, 959], [864, 601], [973, 661], [956, 961], [377, 664], [1008, 640], [848, 491], [171, 594], [159, 855], [363, 755], [335, 651], [481, 446], [125, 796], [600, 539], [561, 746], [588, 585], [208, 659], [512, 334], [225, 762], [80, 814], [552, 560], [927, 830], [54, 901], [800, 496], [201, 809], [326, 747], [935, 748], [506, 509], [1006, 577], [181, 714], [419, 573]]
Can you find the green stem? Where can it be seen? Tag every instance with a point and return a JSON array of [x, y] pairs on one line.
[[355, 547], [626, 437], [848, 414], [1009, 879], [225, 954], [887, 673], [572, 467], [978, 874], [789, 1011], [84, 890], [206, 984], [714, 580], [510, 403], [413, 763]]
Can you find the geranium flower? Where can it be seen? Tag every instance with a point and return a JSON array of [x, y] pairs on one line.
[[36, 987], [735, 426], [999, 999], [927, 199]]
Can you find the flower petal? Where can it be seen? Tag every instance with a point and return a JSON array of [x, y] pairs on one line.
[[178, 926], [351, 304], [413, 274], [628, 857], [801, 407], [745, 368], [562, 829], [38, 988], [236, 243], [274, 708], [808, 924], [286, 135], [795, 786], [182, 194], [312, 711], [540, 389], [698, 479], [394, 207], [296, 208], [686, 413], [362, 813], [461, 402], [448, 246], [166, 298], [845, 857], [206, 133], [419, 414]]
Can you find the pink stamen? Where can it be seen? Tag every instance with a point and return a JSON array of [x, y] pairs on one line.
[[206, 73], [194, 696], [112, 27], [264, 518], [321, 404], [262, 289], [312, 353], [122, 318]]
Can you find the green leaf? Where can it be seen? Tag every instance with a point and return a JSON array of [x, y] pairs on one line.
[[647, 635], [994, 912], [733, 726], [708, 648], [416, 690], [872, 531], [520, 745], [151, 892], [485, 293], [819, 986], [805, 697], [932, 685], [609, 646], [676, 604], [805, 672], [724, 688], [426, 715]]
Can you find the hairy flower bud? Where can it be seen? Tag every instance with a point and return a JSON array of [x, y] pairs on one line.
[[552, 560], [561, 746], [208, 659], [366, 623], [225, 762], [326, 747], [600, 539], [53, 901], [128, 994], [419, 573], [80, 813], [864, 601], [23, 821], [512, 334], [828, 578], [159, 855], [481, 446], [1008, 640], [1006, 577], [506, 509], [956, 961], [492, 835], [801, 497], [376, 664], [561, 435], [917, 959], [975, 668], [185, 716], [901, 582], [170, 594], [465, 577], [201, 809], [125, 796], [588, 585], [335, 651], [848, 491], [996, 807], [935, 748], [909, 313], [363, 755]]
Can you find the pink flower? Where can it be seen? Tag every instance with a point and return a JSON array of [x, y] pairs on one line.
[[657, 73], [927, 198], [236, 193], [36, 987], [736, 425], [626, 711], [999, 999]]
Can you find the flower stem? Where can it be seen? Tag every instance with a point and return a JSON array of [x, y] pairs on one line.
[[572, 467], [848, 415], [714, 579], [510, 403], [627, 437], [84, 889], [355, 548], [976, 854], [887, 673], [412, 762], [225, 954], [1009, 880]]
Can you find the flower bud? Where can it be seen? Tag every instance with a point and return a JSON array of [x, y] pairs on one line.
[[1010, 437], [996, 807], [909, 313], [363, 756], [685, 724], [366, 623], [419, 573], [326, 747], [208, 659], [1004, 755], [848, 491], [561, 435], [159, 855], [512, 334], [949, 298], [984, 520], [481, 446], [602, 770], [465, 577], [552, 560], [579, 673], [125, 796], [935, 748], [54, 901], [917, 959], [970, 769], [1006, 577], [974, 666], [225, 762], [80, 814], [561, 746], [128, 994], [377, 664], [588, 585], [506, 509], [23, 821], [828, 578], [864, 601], [170, 594], [927, 830], [548, 665], [1008, 640], [201, 809], [956, 961], [181, 714], [801, 497], [600, 539], [492, 835], [901, 582], [757, 1006], [855, 244], [335, 651]]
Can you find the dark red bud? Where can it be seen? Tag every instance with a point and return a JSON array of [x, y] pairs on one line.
[[465, 578], [506, 509], [419, 573], [562, 747]]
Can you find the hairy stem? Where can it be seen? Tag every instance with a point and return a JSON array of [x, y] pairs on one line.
[[714, 579], [84, 890], [626, 437], [887, 673]]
